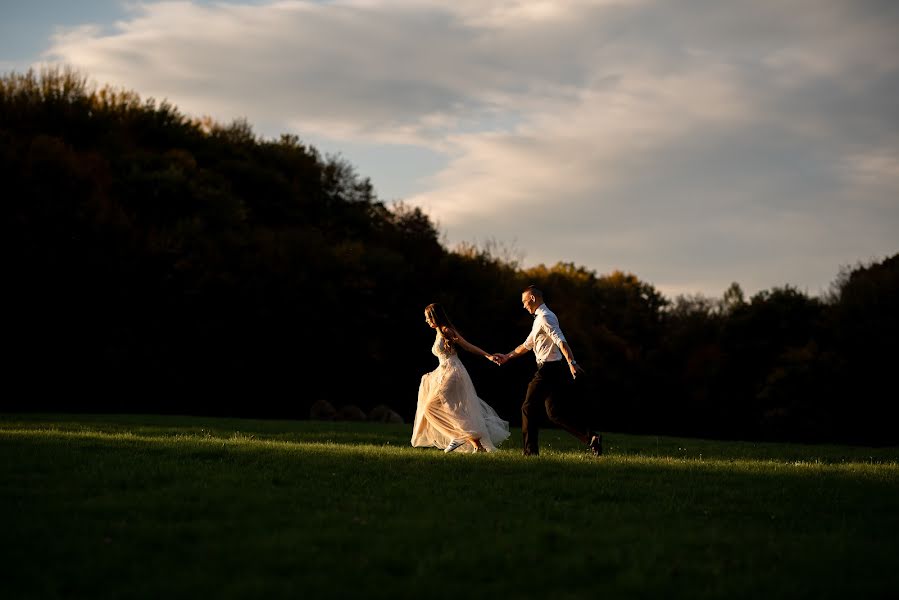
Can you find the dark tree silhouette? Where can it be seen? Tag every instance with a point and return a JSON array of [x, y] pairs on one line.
[[166, 264]]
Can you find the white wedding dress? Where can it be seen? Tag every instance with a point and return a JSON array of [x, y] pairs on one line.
[[450, 409]]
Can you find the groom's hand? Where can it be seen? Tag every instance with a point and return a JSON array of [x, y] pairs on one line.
[[576, 370]]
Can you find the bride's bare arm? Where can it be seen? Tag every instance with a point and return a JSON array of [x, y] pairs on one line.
[[463, 343]]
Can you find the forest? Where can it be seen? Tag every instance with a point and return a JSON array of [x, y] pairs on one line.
[[159, 263]]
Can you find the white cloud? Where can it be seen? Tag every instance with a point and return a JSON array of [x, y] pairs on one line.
[[690, 143]]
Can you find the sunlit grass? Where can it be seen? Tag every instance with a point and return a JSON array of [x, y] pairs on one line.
[[147, 506], [344, 440]]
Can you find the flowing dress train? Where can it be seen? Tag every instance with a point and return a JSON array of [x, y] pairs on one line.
[[450, 409]]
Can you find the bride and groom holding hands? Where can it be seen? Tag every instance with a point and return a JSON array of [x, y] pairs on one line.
[[450, 415]]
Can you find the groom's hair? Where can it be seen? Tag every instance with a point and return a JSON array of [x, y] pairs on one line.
[[533, 289]]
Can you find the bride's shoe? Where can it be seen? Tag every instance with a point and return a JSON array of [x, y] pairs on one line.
[[453, 445]]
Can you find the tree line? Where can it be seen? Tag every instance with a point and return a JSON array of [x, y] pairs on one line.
[[159, 263]]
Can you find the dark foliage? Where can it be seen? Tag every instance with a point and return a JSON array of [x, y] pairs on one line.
[[162, 264]]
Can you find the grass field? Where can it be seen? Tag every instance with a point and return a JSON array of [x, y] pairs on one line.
[[151, 507]]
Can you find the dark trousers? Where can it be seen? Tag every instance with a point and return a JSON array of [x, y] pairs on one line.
[[552, 389]]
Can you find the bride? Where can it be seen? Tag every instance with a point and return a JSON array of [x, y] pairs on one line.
[[450, 415]]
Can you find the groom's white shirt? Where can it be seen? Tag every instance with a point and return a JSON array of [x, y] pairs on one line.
[[545, 336]]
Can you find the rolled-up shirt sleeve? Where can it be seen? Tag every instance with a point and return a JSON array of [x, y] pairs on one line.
[[546, 337], [529, 343], [551, 327]]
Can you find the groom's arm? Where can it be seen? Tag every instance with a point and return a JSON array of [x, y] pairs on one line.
[[569, 358], [519, 351]]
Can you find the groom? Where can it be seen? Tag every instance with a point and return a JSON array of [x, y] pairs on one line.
[[552, 383]]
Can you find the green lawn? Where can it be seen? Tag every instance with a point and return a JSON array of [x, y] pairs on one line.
[[152, 507]]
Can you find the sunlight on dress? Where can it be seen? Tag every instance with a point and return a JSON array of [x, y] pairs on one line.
[[449, 408]]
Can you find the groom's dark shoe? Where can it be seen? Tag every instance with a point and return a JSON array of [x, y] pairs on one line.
[[595, 444]]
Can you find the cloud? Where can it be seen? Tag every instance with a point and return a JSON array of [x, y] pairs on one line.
[[692, 143]]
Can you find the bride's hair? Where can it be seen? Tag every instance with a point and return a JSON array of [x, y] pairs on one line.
[[438, 315]]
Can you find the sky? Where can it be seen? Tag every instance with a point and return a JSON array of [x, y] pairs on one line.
[[693, 143]]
